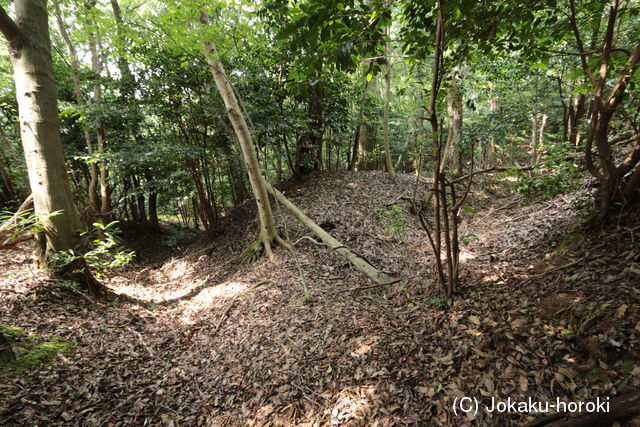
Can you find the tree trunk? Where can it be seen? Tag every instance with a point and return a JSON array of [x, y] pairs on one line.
[[540, 147], [452, 151], [94, 204], [353, 160], [30, 53], [577, 112], [103, 177], [268, 233], [490, 150], [387, 95], [153, 200], [366, 135], [140, 201], [534, 138]]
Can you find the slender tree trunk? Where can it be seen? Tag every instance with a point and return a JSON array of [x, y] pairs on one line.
[[103, 177], [534, 138], [540, 146], [355, 155], [268, 232], [452, 151], [153, 200], [94, 202], [366, 134], [490, 150], [579, 112], [387, 99], [142, 210]]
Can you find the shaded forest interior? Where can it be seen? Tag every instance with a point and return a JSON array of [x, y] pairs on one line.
[[319, 213]]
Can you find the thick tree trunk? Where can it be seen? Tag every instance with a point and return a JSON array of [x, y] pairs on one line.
[[40, 132], [268, 233]]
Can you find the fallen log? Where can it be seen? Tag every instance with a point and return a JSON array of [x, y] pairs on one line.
[[620, 408], [360, 263], [9, 239]]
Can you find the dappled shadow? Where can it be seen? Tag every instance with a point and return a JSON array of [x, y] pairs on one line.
[[226, 352]]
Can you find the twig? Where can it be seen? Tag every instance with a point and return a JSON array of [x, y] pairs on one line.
[[558, 268], [490, 170], [317, 243], [370, 286]]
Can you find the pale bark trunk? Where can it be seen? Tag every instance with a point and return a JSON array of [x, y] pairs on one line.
[[540, 147], [491, 145], [268, 232], [94, 204], [366, 135], [40, 127], [534, 138]]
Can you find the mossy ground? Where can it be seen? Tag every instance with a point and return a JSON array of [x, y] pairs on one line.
[[30, 351]]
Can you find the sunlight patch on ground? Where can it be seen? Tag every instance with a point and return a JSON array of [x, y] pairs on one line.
[[209, 297], [465, 256], [177, 269], [155, 293], [170, 291], [352, 404]]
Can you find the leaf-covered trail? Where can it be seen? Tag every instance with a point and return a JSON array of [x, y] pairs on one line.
[[213, 341]]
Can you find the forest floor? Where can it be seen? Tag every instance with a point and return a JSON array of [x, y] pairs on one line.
[[546, 310]]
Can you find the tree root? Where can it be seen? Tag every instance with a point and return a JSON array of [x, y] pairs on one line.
[[263, 246], [78, 271]]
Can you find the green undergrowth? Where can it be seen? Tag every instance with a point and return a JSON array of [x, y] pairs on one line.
[[23, 352]]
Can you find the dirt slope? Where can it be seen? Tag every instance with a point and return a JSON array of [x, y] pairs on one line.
[[212, 341]]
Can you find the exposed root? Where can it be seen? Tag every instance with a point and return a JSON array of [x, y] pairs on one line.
[[262, 247], [78, 271]]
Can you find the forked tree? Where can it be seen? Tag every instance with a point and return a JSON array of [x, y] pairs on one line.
[[619, 181]]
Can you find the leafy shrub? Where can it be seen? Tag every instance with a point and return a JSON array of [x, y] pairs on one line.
[[107, 252], [557, 174], [393, 217]]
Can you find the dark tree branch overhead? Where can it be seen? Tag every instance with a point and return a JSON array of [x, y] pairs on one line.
[[10, 29], [583, 54]]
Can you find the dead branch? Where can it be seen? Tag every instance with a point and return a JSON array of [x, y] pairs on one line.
[[358, 261], [359, 288], [8, 239], [490, 170]]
